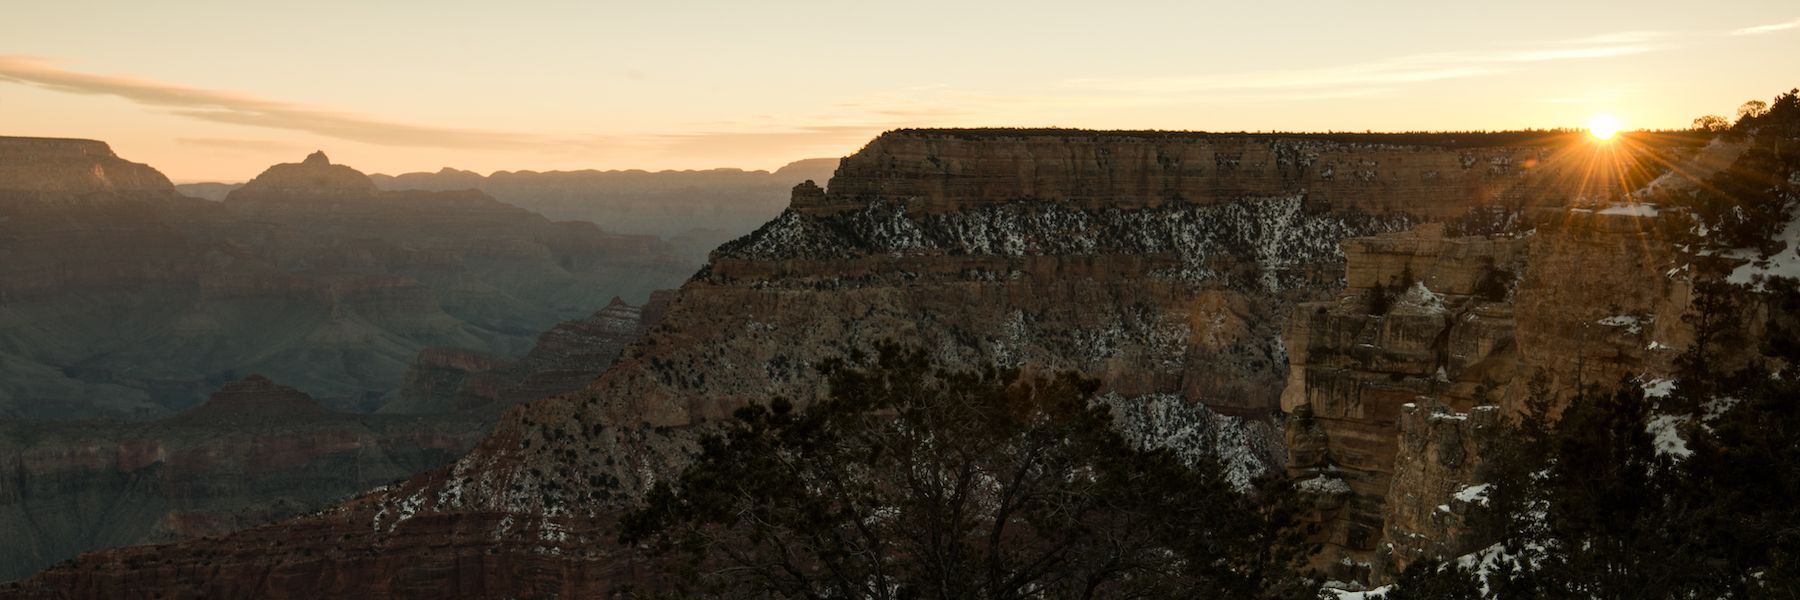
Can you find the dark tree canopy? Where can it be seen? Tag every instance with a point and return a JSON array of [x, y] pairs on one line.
[[914, 482]]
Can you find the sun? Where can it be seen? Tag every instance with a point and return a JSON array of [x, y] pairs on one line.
[[1603, 126]]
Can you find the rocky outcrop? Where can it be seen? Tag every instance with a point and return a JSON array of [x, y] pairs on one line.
[[1603, 300], [1400, 383], [566, 358], [312, 179], [254, 453], [1422, 318], [255, 398], [47, 168], [1043, 250]]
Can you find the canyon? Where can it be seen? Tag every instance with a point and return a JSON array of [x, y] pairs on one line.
[[1218, 286], [307, 274], [258, 451], [255, 452], [148, 339]]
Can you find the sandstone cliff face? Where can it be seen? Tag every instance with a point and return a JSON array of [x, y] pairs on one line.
[[254, 453], [1039, 251], [1437, 178], [1395, 410], [308, 274], [1446, 335]]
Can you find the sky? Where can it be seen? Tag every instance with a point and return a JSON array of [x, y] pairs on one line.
[[220, 90]]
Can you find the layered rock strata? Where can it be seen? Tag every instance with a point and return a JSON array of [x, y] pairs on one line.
[[254, 453], [1028, 249], [1400, 383]]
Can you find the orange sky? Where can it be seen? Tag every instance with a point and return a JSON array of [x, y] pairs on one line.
[[220, 90]]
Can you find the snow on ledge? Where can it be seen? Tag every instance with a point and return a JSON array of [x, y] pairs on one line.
[[1324, 486], [1631, 210], [1631, 323], [1334, 593], [1785, 263], [1474, 494]]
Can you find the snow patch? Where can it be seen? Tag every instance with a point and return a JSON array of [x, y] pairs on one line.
[[1668, 442], [1474, 494], [1631, 210], [1419, 299], [1333, 593], [1785, 263], [1631, 324], [1324, 486], [1192, 431], [1449, 416]]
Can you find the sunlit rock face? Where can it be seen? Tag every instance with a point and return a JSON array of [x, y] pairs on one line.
[[1440, 343], [950, 170], [1402, 405], [56, 166], [1163, 265]]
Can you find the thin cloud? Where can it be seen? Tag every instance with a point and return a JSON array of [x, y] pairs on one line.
[[1770, 28], [1409, 69], [1620, 37], [243, 109], [239, 144], [804, 137]]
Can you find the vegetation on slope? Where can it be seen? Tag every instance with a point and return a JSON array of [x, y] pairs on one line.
[[911, 481]]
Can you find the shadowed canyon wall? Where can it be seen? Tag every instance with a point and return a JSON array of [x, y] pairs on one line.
[[120, 298]]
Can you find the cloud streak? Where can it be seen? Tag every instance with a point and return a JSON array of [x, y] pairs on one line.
[[1770, 28], [242, 109], [1400, 70], [240, 145]]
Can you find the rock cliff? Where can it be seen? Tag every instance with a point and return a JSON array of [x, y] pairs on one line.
[[1162, 264], [1427, 176], [1400, 384], [58, 167]]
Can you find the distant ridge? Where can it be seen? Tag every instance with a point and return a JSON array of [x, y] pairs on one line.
[[72, 166]]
